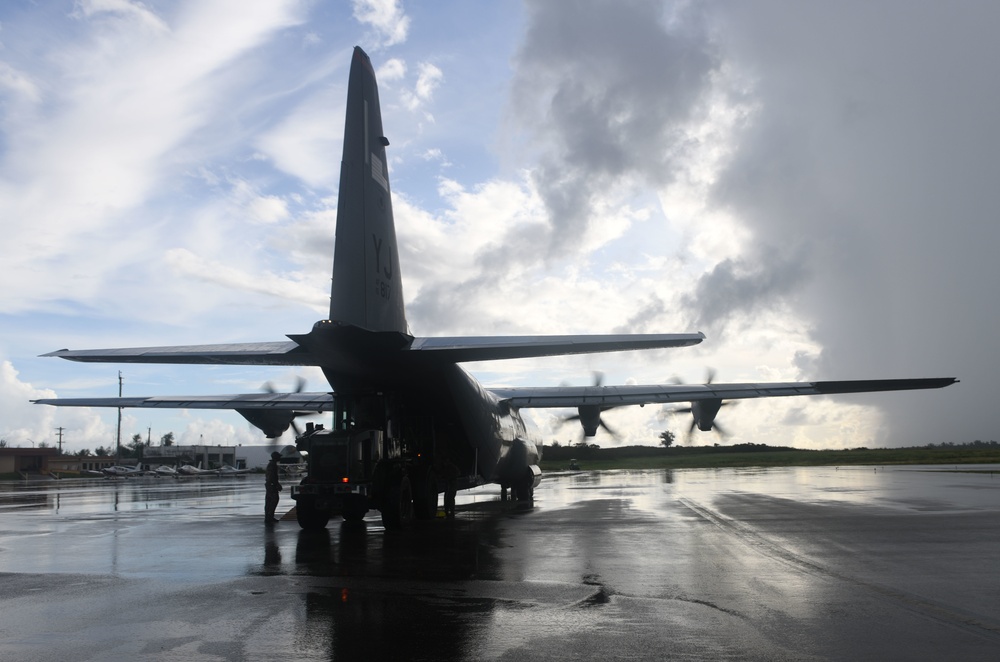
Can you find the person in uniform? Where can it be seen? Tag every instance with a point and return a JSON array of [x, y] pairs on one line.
[[450, 474], [272, 487]]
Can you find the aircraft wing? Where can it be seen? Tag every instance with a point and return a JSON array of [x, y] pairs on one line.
[[491, 348], [259, 353], [317, 402], [615, 396]]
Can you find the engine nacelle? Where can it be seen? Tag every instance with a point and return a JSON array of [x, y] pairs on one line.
[[590, 419], [704, 412], [536, 474], [273, 422]]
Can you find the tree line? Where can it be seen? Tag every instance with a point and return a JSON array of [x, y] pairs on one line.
[[133, 448]]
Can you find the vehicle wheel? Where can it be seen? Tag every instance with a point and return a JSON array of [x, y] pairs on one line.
[[524, 489], [355, 508], [425, 498], [309, 517], [398, 507]]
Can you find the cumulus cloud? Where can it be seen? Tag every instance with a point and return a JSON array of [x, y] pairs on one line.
[[26, 424], [428, 79], [609, 91], [869, 166], [742, 287], [386, 17], [823, 210], [810, 181], [391, 70]]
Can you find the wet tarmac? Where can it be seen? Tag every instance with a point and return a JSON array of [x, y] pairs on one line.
[[778, 564]]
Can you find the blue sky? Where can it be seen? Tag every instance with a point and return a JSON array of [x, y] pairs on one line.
[[811, 185]]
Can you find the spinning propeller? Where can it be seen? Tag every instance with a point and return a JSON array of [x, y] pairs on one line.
[[590, 415], [274, 422], [703, 412]]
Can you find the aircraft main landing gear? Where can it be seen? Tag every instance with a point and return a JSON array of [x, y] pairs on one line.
[[397, 509]]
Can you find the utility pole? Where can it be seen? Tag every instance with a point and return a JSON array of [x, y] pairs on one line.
[[118, 444], [60, 431]]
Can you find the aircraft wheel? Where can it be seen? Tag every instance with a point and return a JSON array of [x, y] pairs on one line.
[[398, 507], [309, 517], [355, 508], [524, 489], [425, 498]]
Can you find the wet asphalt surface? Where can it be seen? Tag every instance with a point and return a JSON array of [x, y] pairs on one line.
[[780, 564]]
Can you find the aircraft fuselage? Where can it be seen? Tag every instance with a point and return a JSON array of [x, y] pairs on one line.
[[428, 407]]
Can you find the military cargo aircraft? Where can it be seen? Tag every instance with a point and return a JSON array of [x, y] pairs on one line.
[[404, 401]]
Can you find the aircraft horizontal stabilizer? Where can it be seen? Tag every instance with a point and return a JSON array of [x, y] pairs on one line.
[[259, 353], [441, 350], [494, 348]]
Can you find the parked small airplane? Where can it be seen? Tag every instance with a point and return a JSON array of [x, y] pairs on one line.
[[165, 470], [227, 470], [403, 402], [119, 471], [190, 470], [292, 469]]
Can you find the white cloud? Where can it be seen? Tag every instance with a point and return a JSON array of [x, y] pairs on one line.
[[187, 264], [18, 83], [427, 81], [391, 70], [216, 432], [134, 13], [673, 170], [26, 424], [120, 103], [307, 143], [386, 16]]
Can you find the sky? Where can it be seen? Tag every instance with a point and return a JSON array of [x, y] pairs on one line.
[[812, 185]]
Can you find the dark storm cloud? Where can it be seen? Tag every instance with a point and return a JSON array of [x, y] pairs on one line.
[[646, 318], [865, 176], [738, 287], [606, 90], [873, 159]]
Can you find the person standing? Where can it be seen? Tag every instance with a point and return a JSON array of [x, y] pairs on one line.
[[272, 487], [450, 474]]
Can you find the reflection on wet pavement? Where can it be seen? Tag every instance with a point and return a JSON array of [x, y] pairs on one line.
[[723, 564]]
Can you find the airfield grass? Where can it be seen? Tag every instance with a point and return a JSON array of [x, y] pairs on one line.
[[757, 455], [749, 455]]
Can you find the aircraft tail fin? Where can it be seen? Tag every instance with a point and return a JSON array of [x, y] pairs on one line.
[[367, 287]]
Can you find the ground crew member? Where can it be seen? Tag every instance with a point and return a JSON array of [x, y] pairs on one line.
[[450, 474], [272, 487]]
